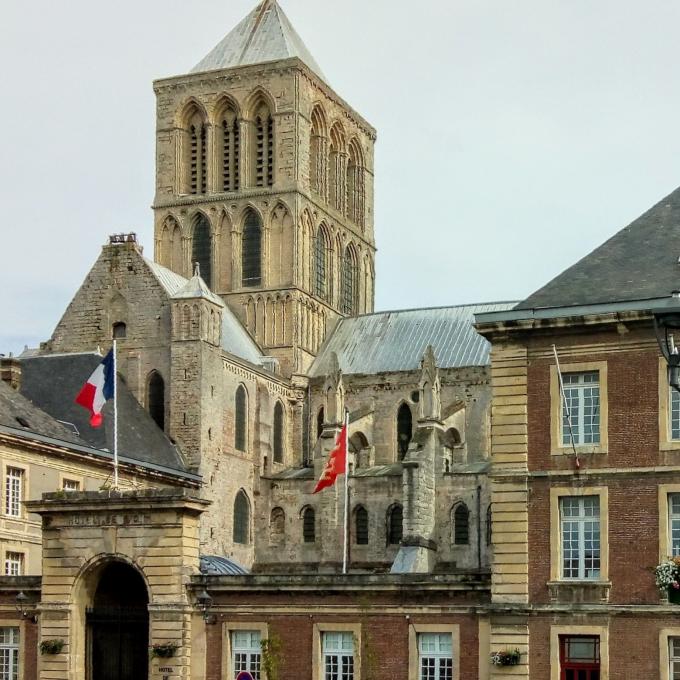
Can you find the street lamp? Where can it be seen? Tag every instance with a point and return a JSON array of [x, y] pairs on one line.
[[667, 327], [204, 601], [20, 604]]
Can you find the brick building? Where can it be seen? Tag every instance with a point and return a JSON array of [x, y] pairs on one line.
[[579, 524], [476, 525]]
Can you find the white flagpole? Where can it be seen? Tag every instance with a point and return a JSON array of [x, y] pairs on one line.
[[115, 420], [344, 523], [566, 407]]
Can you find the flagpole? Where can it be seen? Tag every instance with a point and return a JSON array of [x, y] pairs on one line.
[[115, 419], [344, 523], [566, 407]]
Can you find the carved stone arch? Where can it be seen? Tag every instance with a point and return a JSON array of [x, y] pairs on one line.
[[252, 251], [403, 427], [225, 102], [394, 521], [256, 98], [318, 151], [155, 397], [460, 523], [277, 526], [337, 163], [323, 262], [280, 246], [305, 241], [355, 183], [260, 122], [223, 252], [242, 532], [201, 233], [187, 109], [191, 125]]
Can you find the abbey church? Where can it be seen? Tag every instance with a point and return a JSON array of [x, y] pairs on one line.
[[476, 533]]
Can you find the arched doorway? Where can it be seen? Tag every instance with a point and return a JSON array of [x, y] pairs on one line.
[[118, 626]]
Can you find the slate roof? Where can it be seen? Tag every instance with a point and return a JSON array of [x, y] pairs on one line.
[[264, 35], [235, 338], [213, 565], [396, 341], [195, 288], [640, 262], [51, 383], [170, 281], [18, 412]]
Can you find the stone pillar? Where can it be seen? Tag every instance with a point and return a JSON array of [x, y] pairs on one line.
[[417, 552], [155, 532]]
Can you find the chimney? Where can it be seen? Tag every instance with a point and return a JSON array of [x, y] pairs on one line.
[[10, 371]]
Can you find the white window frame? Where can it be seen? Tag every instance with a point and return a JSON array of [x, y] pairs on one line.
[[673, 524], [14, 563], [583, 525], [335, 646], [69, 484], [579, 389], [246, 657], [14, 490], [440, 656], [10, 638]]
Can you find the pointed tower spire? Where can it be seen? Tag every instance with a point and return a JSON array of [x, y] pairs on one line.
[[264, 35]]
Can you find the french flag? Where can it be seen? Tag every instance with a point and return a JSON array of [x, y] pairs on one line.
[[98, 390]]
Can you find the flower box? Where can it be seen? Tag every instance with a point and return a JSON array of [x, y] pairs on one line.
[[506, 657], [164, 650], [51, 646], [667, 577]]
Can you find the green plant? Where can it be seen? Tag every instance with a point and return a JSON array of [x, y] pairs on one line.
[[53, 646], [506, 657], [271, 656], [164, 650]]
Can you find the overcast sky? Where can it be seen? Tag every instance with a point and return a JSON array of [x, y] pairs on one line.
[[513, 136]]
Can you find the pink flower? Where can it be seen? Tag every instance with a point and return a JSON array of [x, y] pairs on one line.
[[675, 585]]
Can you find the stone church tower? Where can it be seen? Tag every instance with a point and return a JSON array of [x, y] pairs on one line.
[[265, 177]]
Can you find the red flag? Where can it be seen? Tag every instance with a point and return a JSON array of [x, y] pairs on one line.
[[337, 461]]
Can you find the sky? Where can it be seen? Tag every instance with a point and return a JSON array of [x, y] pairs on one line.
[[513, 137]]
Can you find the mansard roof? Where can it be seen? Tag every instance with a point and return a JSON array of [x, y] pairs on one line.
[[640, 262], [264, 35], [16, 411], [51, 383], [396, 341]]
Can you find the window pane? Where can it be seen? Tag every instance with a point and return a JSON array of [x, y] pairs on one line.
[[582, 403], [675, 414], [580, 536]]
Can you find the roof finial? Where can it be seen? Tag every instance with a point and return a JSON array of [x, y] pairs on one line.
[[197, 268]]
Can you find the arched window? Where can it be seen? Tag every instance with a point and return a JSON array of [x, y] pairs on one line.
[[194, 151], [251, 250], [404, 429], [317, 153], [241, 518], [201, 248], [241, 419], [277, 526], [323, 273], [155, 398], [230, 142], [319, 422], [308, 525], [361, 525], [263, 146], [395, 522], [357, 442], [452, 437], [336, 171], [461, 524], [355, 185], [119, 330], [278, 433], [349, 285], [488, 525]]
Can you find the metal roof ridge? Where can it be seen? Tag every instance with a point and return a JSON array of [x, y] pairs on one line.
[[425, 309]]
